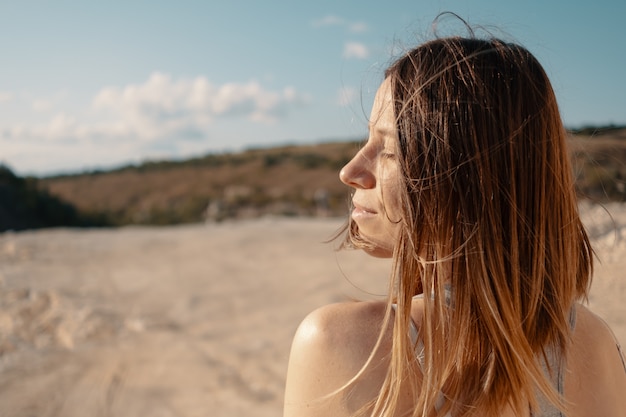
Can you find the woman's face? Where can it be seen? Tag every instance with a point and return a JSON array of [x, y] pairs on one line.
[[374, 173]]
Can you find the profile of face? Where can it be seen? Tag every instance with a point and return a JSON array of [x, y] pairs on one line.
[[374, 173]]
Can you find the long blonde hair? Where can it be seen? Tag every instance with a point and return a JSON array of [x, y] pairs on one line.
[[490, 211]]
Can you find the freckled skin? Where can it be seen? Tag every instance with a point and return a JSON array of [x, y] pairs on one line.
[[374, 174]]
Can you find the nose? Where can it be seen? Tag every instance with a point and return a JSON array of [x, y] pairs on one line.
[[357, 173]]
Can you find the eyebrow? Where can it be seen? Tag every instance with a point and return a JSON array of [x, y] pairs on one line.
[[380, 130]]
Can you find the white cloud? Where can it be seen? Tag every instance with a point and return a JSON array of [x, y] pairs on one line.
[[346, 96], [41, 105], [330, 20], [5, 97], [358, 27], [163, 105], [61, 127], [355, 50], [143, 118]]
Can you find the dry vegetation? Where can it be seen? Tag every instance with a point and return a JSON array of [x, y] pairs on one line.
[[290, 180], [599, 159]]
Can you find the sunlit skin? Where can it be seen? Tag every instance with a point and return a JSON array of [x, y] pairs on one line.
[[335, 342], [375, 175]]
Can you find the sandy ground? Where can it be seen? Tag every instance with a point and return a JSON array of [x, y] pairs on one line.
[[191, 320]]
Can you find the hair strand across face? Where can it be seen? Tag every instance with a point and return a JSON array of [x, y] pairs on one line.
[[489, 210]]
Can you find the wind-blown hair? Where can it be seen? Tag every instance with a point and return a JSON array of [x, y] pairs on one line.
[[489, 211]]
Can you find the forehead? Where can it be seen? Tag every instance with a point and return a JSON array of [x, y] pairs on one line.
[[382, 117]]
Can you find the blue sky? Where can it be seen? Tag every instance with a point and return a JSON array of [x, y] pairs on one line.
[[87, 85]]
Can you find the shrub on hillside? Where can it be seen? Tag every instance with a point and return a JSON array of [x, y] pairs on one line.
[[24, 206]]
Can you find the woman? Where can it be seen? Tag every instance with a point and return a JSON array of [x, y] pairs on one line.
[[465, 182]]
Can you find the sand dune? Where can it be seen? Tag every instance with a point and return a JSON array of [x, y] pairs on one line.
[[191, 320]]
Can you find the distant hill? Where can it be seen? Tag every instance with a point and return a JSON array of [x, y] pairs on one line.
[[610, 130], [599, 160], [287, 181]]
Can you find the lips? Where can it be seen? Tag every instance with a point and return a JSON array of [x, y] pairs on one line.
[[360, 211]]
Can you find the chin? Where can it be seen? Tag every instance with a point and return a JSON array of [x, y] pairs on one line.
[[376, 243], [379, 252]]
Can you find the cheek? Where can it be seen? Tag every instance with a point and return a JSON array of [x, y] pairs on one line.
[[393, 208], [391, 198], [392, 217]]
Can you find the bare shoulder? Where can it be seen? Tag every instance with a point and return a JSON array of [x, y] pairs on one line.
[[596, 381], [596, 339], [331, 346], [344, 320]]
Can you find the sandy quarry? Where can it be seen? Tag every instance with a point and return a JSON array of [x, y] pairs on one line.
[[192, 320]]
